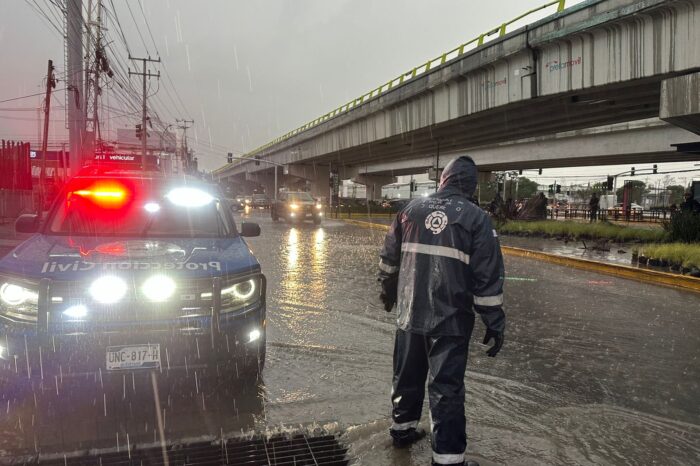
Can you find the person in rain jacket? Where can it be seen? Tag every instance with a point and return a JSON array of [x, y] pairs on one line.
[[441, 261]]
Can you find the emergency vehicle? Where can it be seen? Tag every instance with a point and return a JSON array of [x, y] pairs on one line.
[[131, 270]]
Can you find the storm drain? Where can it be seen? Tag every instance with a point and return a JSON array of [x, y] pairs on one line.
[[296, 450]]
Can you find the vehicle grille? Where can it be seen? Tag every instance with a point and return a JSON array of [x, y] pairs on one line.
[[276, 451]]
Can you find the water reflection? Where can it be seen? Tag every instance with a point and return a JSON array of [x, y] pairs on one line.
[[292, 248]]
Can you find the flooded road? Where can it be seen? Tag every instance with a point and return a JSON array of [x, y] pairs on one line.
[[595, 369]]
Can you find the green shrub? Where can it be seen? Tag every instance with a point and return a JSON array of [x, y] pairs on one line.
[[684, 227], [688, 255], [601, 230]]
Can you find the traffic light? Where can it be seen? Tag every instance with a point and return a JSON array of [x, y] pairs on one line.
[[551, 189], [412, 186], [655, 171], [257, 160], [139, 132], [540, 171], [558, 189], [520, 172], [229, 157], [632, 172], [611, 182]]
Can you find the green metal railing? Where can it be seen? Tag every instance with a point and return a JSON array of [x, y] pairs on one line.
[[418, 70]]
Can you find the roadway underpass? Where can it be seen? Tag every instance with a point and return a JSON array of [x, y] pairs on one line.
[[595, 370]]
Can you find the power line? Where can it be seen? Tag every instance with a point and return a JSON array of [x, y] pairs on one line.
[[30, 95]]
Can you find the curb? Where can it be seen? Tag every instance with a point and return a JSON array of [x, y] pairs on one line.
[[623, 271]]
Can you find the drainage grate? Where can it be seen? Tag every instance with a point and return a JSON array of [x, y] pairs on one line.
[[298, 450]]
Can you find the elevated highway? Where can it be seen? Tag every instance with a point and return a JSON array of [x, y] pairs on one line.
[[597, 64]]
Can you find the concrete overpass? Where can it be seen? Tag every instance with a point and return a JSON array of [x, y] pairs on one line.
[[599, 63], [641, 141]]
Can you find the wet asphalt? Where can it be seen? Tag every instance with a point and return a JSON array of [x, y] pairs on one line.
[[595, 370]]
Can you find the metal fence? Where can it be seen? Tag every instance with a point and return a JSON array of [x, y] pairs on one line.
[[618, 215], [16, 195]]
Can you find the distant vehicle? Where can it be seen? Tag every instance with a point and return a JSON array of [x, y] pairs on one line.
[[261, 200], [297, 207], [395, 204], [132, 271], [633, 207]]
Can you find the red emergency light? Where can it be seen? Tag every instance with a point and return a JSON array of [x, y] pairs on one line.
[[104, 194]]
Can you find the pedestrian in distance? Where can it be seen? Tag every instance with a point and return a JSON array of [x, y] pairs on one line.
[[690, 204], [441, 261], [594, 205]]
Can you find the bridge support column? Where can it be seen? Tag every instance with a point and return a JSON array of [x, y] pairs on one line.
[[316, 178], [374, 184], [680, 102]]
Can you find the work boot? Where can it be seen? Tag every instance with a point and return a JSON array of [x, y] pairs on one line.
[[404, 438]]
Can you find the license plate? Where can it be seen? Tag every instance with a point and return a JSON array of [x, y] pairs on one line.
[[133, 357]]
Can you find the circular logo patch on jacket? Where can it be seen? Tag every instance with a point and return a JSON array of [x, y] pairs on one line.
[[436, 221]]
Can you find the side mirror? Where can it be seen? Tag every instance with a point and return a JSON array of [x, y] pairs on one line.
[[27, 223], [250, 230]]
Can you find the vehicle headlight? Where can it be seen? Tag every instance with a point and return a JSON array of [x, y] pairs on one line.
[[319, 206], [108, 289], [158, 288], [18, 302], [237, 295], [293, 206]]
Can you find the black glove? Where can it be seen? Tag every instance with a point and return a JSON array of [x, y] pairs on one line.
[[389, 292], [498, 344]]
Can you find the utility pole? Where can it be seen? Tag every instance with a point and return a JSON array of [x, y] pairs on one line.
[[94, 64], [145, 74], [50, 84], [183, 125], [74, 66]]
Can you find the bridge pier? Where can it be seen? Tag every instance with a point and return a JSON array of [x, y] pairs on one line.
[[680, 102], [315, 177], [374, 184]]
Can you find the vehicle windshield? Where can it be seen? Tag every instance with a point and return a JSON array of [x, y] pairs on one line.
[[140, 208], [300, 197]]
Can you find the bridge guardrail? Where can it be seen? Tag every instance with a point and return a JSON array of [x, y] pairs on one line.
[[416, 71]]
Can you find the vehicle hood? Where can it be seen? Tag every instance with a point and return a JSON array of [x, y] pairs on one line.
[[76, 258]]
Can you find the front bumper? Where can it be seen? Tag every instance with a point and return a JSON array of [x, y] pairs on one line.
[[53, 348]]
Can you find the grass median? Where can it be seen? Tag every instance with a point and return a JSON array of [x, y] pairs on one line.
[[683, 254], [576, 230]]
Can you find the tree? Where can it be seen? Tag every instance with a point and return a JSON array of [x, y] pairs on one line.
[[637, 190], [526, 188], [677, 192]]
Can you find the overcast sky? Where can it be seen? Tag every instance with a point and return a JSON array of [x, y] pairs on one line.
[[246, 71]]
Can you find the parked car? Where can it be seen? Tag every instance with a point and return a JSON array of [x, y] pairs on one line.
[[261, 200]]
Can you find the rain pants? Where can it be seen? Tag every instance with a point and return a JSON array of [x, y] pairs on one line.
[[446, 255]]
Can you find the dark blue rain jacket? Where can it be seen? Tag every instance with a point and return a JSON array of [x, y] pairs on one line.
[[448, 259]]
